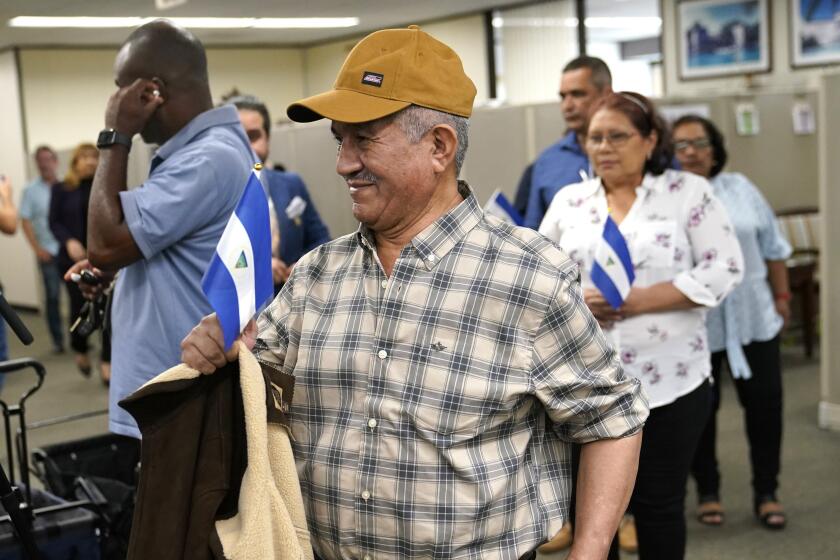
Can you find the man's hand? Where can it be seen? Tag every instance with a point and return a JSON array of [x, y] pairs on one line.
[[5, 188], [204, 348], [43, 255], [75, 250], [8, 214], [600, 308], [88, 290], [280, 271], [130, 107], [783, 309]]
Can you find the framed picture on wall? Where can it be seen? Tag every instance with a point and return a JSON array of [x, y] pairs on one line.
[[723, 37], [815, 32]]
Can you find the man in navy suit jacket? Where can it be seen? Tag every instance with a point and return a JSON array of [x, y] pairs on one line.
[[300, 227]]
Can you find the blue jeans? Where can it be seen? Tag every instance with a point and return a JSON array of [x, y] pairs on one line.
[[52, 286], [4, 349]]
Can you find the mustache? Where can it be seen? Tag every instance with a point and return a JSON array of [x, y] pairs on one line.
[[362, 176]]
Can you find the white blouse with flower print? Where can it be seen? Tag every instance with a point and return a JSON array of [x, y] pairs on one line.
[[676, 231]]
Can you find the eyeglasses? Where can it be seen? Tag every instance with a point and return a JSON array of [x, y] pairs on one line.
[[614, 139], [697, 144]]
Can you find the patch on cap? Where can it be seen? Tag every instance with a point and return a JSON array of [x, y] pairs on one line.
[[372, 79]]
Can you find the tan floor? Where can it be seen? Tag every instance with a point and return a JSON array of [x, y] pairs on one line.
[[810, 482], [809, 485]]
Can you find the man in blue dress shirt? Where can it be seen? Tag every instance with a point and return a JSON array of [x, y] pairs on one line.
[[296, 221], [34, 218], [162, 234], [584, 80]]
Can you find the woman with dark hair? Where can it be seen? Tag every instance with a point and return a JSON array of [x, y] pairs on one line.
[[68, 222], [744, 329], [685, 258]]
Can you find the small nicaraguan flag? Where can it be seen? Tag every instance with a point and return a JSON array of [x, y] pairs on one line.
[[612, 269], [238, 281], [500, 207]]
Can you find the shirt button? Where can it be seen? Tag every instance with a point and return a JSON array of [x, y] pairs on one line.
[[372, 423], [384, 284], [382, 354], [366, 495], [430, 258]]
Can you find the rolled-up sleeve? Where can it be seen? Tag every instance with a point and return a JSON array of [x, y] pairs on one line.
[[578, 378], [273, 333], [719, 263]]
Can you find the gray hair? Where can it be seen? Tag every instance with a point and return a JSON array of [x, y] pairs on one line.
[[416, 121]]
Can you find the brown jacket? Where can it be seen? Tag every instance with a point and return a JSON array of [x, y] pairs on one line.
[[218, 478]]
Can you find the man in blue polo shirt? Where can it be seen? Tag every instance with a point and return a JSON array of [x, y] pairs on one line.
[[584, 81], [161, 235]]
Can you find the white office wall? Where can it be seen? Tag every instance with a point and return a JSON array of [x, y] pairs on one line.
[[65, 90], [467, 38], [322, 62], [273, 75], [64, 94], [536, 42], [781, 77], [18, 270]]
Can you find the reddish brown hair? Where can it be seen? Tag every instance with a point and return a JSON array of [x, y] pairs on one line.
[[645, 119]]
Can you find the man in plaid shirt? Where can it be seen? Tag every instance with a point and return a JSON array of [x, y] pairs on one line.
[[444, 360]]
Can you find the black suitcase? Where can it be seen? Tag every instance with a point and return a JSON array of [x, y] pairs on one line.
[[102, 469], [62, 529], [106, 456]]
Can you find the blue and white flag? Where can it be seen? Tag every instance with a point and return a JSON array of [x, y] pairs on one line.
[[612, 269], [500, 207], [238, 281]]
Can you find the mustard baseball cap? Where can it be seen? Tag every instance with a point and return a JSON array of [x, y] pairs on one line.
[[386, 72]]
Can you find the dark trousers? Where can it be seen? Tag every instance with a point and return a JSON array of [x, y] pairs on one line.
[[51, 278], [658, 502], [77, 342], [761, 398]]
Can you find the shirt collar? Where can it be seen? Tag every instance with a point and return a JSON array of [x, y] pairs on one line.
[[220, 116], [434, 243], [570, 143], [594, 186]]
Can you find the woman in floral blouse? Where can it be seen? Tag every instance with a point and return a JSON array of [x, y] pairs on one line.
[[686, 259], [745, 329]]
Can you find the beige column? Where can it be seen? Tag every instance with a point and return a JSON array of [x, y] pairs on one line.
[[829, 158]]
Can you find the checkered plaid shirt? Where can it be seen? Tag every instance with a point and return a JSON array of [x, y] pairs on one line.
[[433, 410]]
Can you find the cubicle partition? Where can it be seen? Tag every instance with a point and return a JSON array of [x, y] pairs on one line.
[[504, 140]]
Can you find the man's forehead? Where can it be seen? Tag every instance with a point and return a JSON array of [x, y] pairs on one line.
[[577, 78], [130, 64], [123, 57], [250, 117], [367, 126]]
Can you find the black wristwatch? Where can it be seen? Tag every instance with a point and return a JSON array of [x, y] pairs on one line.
[[109, 137]]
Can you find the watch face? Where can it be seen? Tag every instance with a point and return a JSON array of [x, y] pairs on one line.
[[106, 138], [109, 137]]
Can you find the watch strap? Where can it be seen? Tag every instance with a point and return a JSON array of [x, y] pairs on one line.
[[108, 137]]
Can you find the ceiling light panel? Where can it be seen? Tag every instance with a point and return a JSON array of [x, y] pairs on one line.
[[189, 22]]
